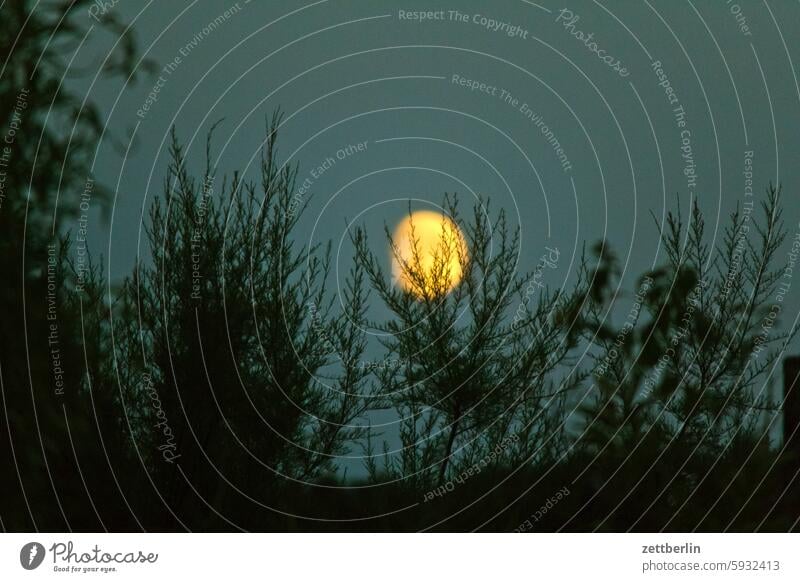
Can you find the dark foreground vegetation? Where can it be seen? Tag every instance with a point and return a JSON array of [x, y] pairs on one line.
[[175, 401]]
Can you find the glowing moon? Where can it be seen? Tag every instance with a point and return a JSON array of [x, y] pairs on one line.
[[437, 266]]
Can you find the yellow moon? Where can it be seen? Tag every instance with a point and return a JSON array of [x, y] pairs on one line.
[[429, 254]]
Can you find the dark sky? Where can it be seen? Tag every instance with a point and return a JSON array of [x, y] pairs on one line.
[[350, 72]]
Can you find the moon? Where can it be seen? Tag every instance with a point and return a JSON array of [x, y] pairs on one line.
[[438, 264]]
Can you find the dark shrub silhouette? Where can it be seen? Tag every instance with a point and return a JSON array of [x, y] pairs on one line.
[[218, 387], [229, 330]]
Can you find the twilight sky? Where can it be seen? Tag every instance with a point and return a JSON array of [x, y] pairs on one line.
[[450, 104]]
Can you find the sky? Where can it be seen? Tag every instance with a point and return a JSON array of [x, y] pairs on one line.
[[585, 121]]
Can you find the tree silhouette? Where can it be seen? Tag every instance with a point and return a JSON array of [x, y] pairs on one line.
[[681, 396], [474, 367], [58, 427], [238, 339]]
